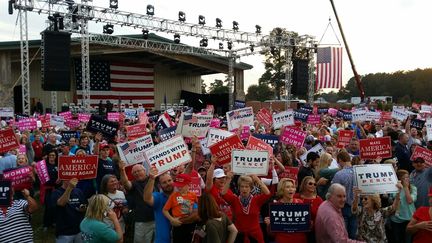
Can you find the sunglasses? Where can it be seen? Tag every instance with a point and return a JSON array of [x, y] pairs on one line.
[[312, 183]]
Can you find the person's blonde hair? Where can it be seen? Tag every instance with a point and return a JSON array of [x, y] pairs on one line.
[[97, 207], [304, 182], [245, 179], [376, 201], [282, 184], [324, 162]]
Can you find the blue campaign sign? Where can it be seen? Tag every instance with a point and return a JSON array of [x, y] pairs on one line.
[[5, 193], [271, 140], [300, 115], [167, 133], [288, 217]]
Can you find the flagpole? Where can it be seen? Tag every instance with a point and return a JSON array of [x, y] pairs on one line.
[[356, 76]]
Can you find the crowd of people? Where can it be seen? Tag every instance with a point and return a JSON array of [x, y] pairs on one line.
[[145, 206]]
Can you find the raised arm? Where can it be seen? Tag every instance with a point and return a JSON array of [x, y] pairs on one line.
[[32, 204], [210, 171], [263, 187], [148, 189], [123, 177], [191, 165]]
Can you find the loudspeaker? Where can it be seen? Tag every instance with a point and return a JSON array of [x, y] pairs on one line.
[[300, 77], [56, 61]]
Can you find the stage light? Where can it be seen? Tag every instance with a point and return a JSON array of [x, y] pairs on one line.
[[201, 20], [59, 20], [251, 47], [10, 4], [108, 29], [221, 46], [114, 4], [235, 26], [182, 16], [204, 42], [230, 45], [315, 48], [176, 38], [145, 34], [150, 10], [258, 29], [218, 23]]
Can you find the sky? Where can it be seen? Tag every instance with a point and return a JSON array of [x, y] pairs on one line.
[[383, 35]]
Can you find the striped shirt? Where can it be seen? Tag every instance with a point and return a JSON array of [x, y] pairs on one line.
[[15, 225]]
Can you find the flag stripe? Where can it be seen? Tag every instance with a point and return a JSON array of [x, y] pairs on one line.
[[131, 77], [129, 85], [132, 81], [329, 68], [131, 73], [115, 101]]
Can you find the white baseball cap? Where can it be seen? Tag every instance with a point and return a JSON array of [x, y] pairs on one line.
[[218, 173]]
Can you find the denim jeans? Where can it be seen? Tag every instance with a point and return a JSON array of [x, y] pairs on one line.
[[350, 221], [69, 238], [144, 232]]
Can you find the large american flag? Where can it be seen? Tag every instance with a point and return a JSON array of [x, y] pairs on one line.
[[115, 81], [329, 68]]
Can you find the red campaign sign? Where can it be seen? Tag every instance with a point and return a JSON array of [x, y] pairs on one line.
[[113, 116], [42, 171], [264, 117], [8, 140], [420, 152], [84, 117], [314, 119], [373, 148], [72, 123], [222, 149], [293, 136], [67, 115], [297, 125], [386, 116], [195, 185], [21, 177], [290, 172], [143, 118], [136, 131], [258, 144], [27, 124], [80, 167], [45, 122], [344, 138]]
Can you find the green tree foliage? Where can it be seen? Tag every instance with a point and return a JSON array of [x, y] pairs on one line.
[[203, 87], [403, 86], [218, 87], [261, 92]]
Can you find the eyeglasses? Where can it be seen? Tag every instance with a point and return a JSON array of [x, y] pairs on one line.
[[312, 183]]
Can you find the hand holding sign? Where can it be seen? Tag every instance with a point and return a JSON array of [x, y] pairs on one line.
[[25, 193], [73, 182], [153, 172]]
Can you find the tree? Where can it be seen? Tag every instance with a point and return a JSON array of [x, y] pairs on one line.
[[218, 87], [203, 87], [261, 92]]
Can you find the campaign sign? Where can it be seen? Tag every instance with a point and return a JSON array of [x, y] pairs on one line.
[[215, 122], [289, 217], [428, 125], [168, 154], [45, 122], [204, 149], [236, 118], [132, 152], [271, 140], [332, 111], [215, 135], [376, 178], [222, 149], [196, 126], [195, 185], [22, 149], [347, 116], [72, 123], [5, 193], [136, 131], [8, 140], [323, 110], [290, 173], [284, 118], [167, 133], [264, 117], [130, 113], [344, 138], [373, 116], [27, 124], [113, 116], [417, 123], [143, 118], [386, 116], [67, 115], [6, 112], [301, 116], [21, 177], [98, 124], [80, 167], [84, 117], [249, 162], [319, 149], [314, 119], [359, 115], [373, 148], [67, 135], [399, 113], [42, 171], [258, 144], [420, 152], [426, 108], [57, 121], [292, 136], [244, 133]]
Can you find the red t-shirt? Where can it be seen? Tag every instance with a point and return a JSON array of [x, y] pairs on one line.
[[315, 203], [420, 215], [37, 147], [224, 206]]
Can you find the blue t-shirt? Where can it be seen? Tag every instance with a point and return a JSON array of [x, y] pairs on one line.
[[105, 167], [163, 232], [94, 231]]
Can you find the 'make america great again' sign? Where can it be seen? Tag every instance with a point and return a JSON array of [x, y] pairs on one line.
[[373, 148]]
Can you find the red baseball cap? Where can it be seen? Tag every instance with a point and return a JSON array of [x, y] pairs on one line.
[[182, 180]]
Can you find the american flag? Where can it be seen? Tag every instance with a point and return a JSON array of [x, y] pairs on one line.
[[128, 147], [118, 81], [329, 68]]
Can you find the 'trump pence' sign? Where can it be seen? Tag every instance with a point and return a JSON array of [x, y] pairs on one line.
[[376, 178], [287, 217], [168, 154], [250, 162]]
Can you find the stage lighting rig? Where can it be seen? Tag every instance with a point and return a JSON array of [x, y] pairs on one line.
[[145, 34], [235, 26], [108, 29], [230, 45], [251, 47], [203, 42], [150, 10], [182, 16], [258, 29], [10, 4], [201, 20], [221, 47], [114, 4], [218, 23], [176, 38]]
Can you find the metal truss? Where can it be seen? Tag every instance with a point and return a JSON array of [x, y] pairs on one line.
[[54, 102], [311, 86], [85, 58], [25, 66]]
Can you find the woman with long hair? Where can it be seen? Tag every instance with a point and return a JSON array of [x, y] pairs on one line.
[[117, 199], [93, 228], [218, 227], [285, 193], [325, 172]]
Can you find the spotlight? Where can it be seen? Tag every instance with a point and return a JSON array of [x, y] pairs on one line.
[[221, 46], [218, 23], [182, 16], [258, 29], [59, 20], [251, 47], [10, 4], [204, 42], [150, 10], [235, 26], [145, 34], [176, 38], [315, 48], [201, 20], [230, 45], [54, 23], [114, 4], [108, 29]]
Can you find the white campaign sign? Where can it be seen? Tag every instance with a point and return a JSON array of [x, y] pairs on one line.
[[197, 126], [7, 112], [57, 121], [284, 118], [358, 115], [373, 116], [399, 114], [376, 178], [319, 149], [132, 152], [168, 154], [426, 109], [204, 149], [215, 135], [236, 118], [250, 162], [428, 126]]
